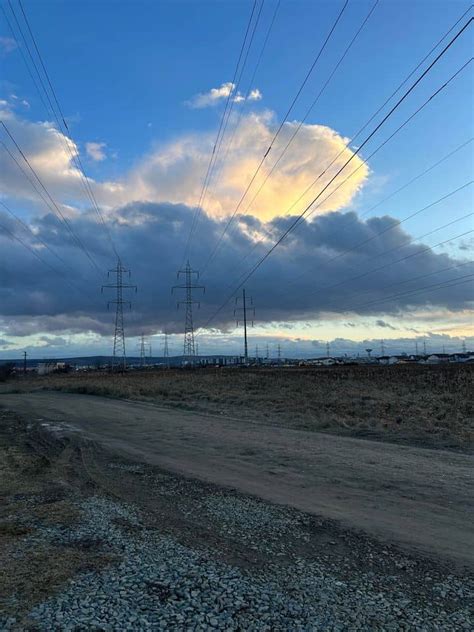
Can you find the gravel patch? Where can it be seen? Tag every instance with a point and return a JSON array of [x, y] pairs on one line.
[[159, 584]]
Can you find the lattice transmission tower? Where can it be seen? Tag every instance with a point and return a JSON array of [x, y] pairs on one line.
[[119, 358], [189, 350], [166, 351], [243, 311], [142, 351]]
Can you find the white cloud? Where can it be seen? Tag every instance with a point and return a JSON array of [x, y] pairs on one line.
[[173, 172], [255, 95], [216, 95], [7, 45], [96, 151], [213, 97]]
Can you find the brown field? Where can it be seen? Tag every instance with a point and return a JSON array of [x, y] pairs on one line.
[[427, 405]]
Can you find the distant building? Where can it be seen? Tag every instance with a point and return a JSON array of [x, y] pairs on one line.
[[437, 358], [50, 367]]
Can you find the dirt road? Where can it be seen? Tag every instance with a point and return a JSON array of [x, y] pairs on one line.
[[418, 498]]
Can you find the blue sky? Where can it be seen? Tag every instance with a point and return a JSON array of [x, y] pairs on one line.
[[126, 72]]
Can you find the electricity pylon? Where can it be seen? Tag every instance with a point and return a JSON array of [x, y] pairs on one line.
[[328, 350], [166, 352], [244, 309], [382, 347], [279, 353], [142, 351], [464, 348], [189, 349], [119, 359]]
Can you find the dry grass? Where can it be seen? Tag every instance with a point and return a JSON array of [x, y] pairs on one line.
[[34, 496], [423, 404]]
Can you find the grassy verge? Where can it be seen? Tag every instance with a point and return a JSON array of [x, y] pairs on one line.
[[430, 405]]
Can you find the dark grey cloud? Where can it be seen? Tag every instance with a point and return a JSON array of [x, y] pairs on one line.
[[383, 323], [151, 239]]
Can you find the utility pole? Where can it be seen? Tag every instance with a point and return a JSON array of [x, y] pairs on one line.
[[382, 347], [166, 353], [256, 354], [464, 348], [424, 346], [244, 309], [142, 351], [150, 354], [268, 353], [279, 353], [189, 349], [24, 362], [327, 349], [119, 360], [416, 347]]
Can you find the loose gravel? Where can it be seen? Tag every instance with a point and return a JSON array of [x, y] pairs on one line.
[[159, 584]]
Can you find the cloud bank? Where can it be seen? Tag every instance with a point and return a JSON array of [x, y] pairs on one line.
[[151, 238]]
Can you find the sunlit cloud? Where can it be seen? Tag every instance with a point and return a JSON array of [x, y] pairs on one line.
[[174, 172]]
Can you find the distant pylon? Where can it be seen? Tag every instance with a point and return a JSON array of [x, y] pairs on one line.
[[150, 353], [268, 352], [327, 349], [416, 347], [188, 347], [424, 346], [382, 347], [244, 309], [119, 358], [166, 352], [142, 350], [256, 353], [279, 353], [464, 348]]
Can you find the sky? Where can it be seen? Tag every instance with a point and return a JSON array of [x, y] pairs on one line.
[[143, 88]]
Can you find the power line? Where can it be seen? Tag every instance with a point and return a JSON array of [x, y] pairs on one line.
[[28, 229], [236, 90], [354, 154], [58, 210], [23, 57], [213, 154], [356, 135], [251, 83], [396, 224], [433, 287], [404, 186], [275, 136], [391, 263], [60, 120], [296, 131], [417, 177], [43, 261]]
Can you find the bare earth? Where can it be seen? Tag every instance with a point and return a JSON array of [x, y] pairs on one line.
[[419, 498]]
